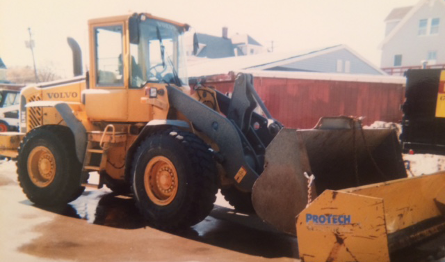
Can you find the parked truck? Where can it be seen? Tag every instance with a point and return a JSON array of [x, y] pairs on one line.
[[134, 120], [9, 109], [423, 124]]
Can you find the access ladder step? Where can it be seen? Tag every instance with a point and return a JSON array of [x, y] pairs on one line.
[[97, 151], [90, 185], [92, 168], [99, 136]]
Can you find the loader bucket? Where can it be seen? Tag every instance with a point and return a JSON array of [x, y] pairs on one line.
[[9, 142], [369, 223], [338, 158]]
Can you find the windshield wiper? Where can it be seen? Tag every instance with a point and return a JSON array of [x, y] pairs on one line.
[[162, 45], [175, 73]]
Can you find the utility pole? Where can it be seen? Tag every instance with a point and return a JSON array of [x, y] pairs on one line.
[[30, 44]]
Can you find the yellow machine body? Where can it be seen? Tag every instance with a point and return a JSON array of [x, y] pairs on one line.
[[110, 116], [38, 98], [109, 102], [96, 104]]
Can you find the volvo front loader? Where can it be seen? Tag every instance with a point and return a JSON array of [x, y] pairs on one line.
[[135, 121]]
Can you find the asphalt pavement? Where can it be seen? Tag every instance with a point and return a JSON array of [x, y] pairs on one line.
[[100, 226]]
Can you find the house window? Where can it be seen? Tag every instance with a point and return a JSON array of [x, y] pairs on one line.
[[432, 55], [431, 58], [423, 23], [397, 60], [347, 66], [339, 65], [434, 26]]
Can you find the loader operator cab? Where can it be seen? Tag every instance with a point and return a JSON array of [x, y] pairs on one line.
[[128, 56], [156, 53]]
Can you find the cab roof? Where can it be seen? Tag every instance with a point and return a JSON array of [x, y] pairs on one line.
[[126, 17]]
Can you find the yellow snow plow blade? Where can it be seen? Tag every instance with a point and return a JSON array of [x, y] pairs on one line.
[[9, 143], [370, 222], [349, 191]]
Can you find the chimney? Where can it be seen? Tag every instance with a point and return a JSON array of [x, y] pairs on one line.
[[225, 30]]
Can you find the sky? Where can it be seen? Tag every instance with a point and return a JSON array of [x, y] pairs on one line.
[[290, 24]]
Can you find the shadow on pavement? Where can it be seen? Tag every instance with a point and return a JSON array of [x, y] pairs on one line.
[[242, 233], [222, 228]]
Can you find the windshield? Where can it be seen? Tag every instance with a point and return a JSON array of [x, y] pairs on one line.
[[9, 99], [158, 57]]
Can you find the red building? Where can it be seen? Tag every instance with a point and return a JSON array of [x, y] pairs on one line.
[[299, 99]]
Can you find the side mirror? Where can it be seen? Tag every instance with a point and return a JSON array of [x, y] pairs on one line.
[[195, 44], [133, 28]]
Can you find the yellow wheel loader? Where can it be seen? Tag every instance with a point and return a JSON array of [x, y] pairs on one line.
[[135, 121]]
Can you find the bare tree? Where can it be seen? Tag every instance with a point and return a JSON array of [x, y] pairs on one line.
[[25, 75]]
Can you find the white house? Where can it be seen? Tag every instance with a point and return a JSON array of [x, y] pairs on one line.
[[414, 37], [246, 45]]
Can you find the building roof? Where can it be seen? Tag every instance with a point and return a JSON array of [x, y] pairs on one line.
[[328, 76], [2, 65], [215, 47], [297, 56], [406, 18], [263, 61], [252, 41], [398, 13]]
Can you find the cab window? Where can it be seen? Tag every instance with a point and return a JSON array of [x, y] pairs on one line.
[[109, 63]]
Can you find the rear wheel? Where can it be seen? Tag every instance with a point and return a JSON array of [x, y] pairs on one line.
[[4, 127], [47, 166], [174, 179]]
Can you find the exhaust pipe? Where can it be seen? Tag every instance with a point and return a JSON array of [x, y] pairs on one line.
[[77, 56]]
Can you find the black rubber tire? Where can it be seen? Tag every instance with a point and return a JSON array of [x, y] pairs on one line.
[[241, 201], [65, 186], [197, 179]]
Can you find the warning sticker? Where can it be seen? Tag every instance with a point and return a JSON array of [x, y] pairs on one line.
[[440, 105], [240, 174]]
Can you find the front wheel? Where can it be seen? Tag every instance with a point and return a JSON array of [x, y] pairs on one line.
[[47, 166], [174, 179]]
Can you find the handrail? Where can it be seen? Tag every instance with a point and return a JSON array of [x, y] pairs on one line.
[[400, 70], [102, 144]]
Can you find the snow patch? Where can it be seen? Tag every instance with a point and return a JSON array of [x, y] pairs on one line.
[[422, 164], [382, 124], [418, 164]]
